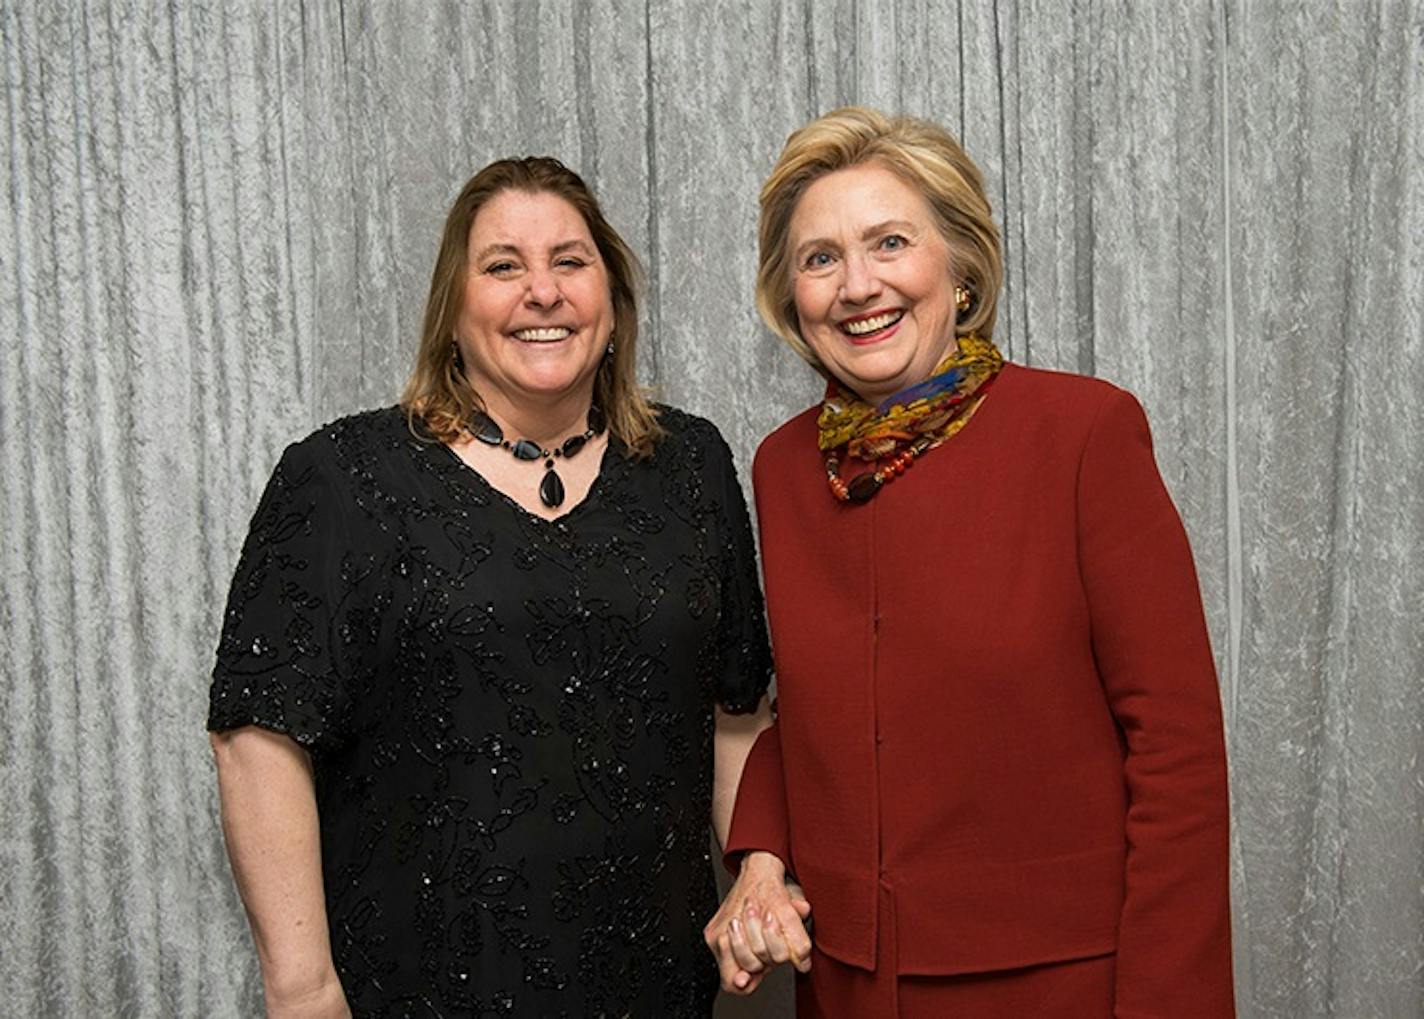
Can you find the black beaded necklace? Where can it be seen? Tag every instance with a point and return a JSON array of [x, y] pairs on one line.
[[551, 488]]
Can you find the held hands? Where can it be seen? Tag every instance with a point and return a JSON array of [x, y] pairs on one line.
[[760, 925]]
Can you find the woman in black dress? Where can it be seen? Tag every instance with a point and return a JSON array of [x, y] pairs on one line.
[[482, 650]]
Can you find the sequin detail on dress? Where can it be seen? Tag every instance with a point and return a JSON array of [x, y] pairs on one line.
[[510, 718]]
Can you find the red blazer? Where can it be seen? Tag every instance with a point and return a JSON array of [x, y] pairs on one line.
[[997, 698]]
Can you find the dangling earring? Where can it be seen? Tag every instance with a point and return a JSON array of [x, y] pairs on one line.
[[962, 299], [609, 351]]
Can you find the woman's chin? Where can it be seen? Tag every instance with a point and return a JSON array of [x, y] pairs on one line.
[[548, 373], [552, 384], [873, 376]]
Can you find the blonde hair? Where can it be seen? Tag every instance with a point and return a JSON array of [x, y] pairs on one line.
[[922, 154], [438, 394]]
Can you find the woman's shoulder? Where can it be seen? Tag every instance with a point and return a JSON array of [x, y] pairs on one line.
[[1063, 403], [683, 429], [1064, 410], [791, 437], [359, 438], [692, 455], [376, 425], [1051, 389]]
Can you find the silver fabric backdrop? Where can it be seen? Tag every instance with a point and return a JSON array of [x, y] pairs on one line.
[[218, 225]]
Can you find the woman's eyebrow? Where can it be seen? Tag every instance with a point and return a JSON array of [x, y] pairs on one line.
[[504, 248], [903, 225], [498, 248], [571, 245], [814, 242]]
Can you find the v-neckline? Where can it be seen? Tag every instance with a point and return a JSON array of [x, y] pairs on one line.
[[605, 468]]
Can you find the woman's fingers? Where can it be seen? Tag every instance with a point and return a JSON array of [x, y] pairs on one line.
[[798, 899], [741, 949], [775, 940], [791, 917], [777, 934], [797, 941], [734, 979], [745, 983], [755, 930], [759, 925]]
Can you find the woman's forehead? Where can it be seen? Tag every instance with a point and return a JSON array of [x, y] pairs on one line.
[[537, 221], [857, 200]]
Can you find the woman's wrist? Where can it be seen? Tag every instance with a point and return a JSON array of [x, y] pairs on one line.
[[762, 862], [310, 995]]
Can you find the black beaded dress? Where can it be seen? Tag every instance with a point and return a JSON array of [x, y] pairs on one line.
[[510, 719]]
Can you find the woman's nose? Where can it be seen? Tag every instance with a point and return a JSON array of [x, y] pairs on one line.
[[858, 282], [543, 290]]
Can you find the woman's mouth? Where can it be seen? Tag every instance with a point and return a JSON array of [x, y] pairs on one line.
[[547, 334], [872, 327]]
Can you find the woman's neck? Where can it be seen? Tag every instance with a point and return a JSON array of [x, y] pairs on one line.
[[547, 421]]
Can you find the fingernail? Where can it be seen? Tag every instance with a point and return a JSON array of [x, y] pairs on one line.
[[736, 926], [741, 979]]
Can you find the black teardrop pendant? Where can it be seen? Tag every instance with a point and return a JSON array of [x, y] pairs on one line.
[[551, 489]]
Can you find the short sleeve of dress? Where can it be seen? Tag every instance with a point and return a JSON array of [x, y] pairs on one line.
[[277, 660], [746, 654]]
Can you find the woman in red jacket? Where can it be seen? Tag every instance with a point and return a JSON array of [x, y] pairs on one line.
[[998, 769]]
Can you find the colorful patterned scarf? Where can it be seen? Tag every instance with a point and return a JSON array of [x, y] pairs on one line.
[[937, 407]]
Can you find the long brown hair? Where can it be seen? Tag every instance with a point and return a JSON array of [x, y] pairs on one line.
[[438, 394]]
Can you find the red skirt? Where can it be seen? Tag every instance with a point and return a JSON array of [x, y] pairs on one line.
[[1077, 989]]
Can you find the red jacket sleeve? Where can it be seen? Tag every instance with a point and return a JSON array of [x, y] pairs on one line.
[[759, 816], [1153, 654]]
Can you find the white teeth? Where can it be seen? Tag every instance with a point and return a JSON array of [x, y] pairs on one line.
[[542, 335], [870, 325]]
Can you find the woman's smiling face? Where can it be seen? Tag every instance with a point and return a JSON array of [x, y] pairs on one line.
[[536, 314], [873, 282]]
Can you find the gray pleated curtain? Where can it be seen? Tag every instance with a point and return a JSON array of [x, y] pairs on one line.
[[218, 225]]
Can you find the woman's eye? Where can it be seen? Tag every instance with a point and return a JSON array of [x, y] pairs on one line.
[[500, 268], [570, 263], [894, 242], [818, 260]]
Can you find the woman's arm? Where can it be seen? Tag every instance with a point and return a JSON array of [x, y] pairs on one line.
[[1150, 643], [735, 735], [269, 821], [760, 922]]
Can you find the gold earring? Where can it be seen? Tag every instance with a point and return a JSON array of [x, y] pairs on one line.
[[962, 300]]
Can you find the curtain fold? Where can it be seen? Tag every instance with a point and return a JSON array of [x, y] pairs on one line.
[[1327, 257], [217, 232]]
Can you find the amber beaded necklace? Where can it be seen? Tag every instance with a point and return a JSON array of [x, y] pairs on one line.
[[863, 486]]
